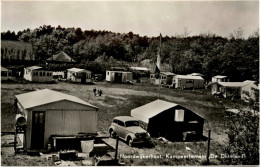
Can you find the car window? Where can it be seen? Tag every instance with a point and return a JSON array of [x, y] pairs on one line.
[[131, 123], [121, 123], [115, 121]]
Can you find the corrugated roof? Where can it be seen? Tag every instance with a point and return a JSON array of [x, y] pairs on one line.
[[46, 96], [232, 84], [140, 68], [4, 69], [33, 68], [188, 77], [219, 76], [61, 57], [168, 73], [147, 111]]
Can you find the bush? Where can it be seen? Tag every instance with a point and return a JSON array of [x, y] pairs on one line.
[[242, 145]]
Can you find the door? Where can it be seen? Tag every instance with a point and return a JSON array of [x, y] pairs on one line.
[[118, 77], [121, 129], [83, 77], [38, 123]]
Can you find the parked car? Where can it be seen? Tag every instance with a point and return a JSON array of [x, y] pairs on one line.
[[128, 129]]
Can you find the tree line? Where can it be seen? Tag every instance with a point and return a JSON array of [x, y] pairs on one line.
[[209, 54]]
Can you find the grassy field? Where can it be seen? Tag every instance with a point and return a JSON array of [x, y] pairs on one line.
[[119, 99]]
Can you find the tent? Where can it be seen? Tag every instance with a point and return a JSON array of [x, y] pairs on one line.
[[51, 113], [169, 120]]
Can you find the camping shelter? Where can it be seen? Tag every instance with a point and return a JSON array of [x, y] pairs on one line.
[[188, 82], [169, 120], [165, 78], [219, 78], [250, 91], [196, 74], [5, 74], [37, 74], [61, 57], [228, 89], [119, 76], [51, 113], [79, 75]]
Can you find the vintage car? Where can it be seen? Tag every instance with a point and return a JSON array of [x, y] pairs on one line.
[[128, 129]]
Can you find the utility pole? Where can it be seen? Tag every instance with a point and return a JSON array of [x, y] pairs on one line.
[[208, 147]]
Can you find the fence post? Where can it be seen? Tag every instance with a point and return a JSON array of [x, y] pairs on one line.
[[117, 140], [208, 147]]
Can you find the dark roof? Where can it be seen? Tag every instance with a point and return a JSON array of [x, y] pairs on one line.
[[149, 110], [61, 57]]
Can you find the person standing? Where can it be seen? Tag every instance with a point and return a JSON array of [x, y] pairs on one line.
[[94, 90]]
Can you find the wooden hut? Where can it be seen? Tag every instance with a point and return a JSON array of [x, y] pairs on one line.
[[165, 78], [119, 76], [188, 82], [51, 113], [5, 74], [169, 120], [37, 74], [79, 75]]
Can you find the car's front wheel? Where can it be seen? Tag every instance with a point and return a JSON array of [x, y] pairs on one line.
[[130, 141]]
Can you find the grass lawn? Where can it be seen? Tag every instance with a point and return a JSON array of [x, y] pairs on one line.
[[119, 99]]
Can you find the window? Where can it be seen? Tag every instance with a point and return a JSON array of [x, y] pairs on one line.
[[179, 115], [107, 73], [36, 73], [115, 121], [189, 81], [47, 74], [3, 73], [163, 77], [43, 73], [121, 123], [131, 123], [40, 73]]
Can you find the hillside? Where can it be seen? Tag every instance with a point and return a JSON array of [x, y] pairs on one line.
[[208, 54], [16, 50]]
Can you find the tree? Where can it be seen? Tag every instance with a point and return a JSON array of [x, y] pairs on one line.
[[243, 136]]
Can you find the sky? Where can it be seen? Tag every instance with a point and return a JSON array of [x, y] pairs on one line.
[[148, 18]]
